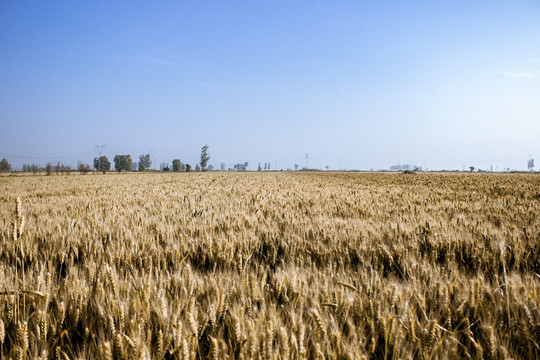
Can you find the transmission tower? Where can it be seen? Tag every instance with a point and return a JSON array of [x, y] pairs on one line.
[[99, 149]]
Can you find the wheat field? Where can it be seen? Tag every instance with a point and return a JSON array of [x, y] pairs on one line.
[[270, 266]]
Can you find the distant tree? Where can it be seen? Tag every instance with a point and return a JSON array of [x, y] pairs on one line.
[[123, 162], [222, 166], [34, 168], [246, 165], [102, 164], [259, 168], [118, 162], [205, 156], [83, 168], [144, 162], [164, 165], [5, 165], [105, 164], [66, 169], [295, 167], [183, 168], [210, 167], [188, 167], [176, 165], [530, 164], [471, 168], [48, 168], [197, 167], [128, 162], [166, 168], [59, 167]]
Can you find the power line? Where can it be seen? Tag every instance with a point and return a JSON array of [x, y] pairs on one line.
[[44, 157]]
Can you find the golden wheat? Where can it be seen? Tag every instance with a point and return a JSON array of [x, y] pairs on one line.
[[270, 265]]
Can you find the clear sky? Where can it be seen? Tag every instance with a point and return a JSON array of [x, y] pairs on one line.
[[355, 84]]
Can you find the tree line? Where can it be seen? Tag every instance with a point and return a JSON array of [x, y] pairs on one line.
[[121, 163]]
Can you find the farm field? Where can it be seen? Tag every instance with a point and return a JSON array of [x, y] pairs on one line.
[[270, 266]]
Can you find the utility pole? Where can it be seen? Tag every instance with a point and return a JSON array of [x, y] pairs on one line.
[[152, 153]]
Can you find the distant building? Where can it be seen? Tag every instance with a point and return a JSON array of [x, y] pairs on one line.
[[404, 167]]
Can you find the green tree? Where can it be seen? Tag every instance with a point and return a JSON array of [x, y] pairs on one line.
[[128, 163], [4, 165], [176, 165], [102, 164], [118, 162], [144, 162], [205, 156], [123, 162]]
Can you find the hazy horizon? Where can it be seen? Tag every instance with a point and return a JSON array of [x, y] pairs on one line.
[[356, 85]]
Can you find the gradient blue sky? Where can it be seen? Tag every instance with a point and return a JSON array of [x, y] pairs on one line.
[[356, 84]]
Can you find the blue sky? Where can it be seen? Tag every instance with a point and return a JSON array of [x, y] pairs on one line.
[[355, 84]]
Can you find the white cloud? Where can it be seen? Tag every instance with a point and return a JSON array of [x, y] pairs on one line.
[[155, 60], [517, 75]]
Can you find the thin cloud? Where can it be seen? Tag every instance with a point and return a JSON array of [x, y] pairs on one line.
[[517, 75], [155, 60]]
